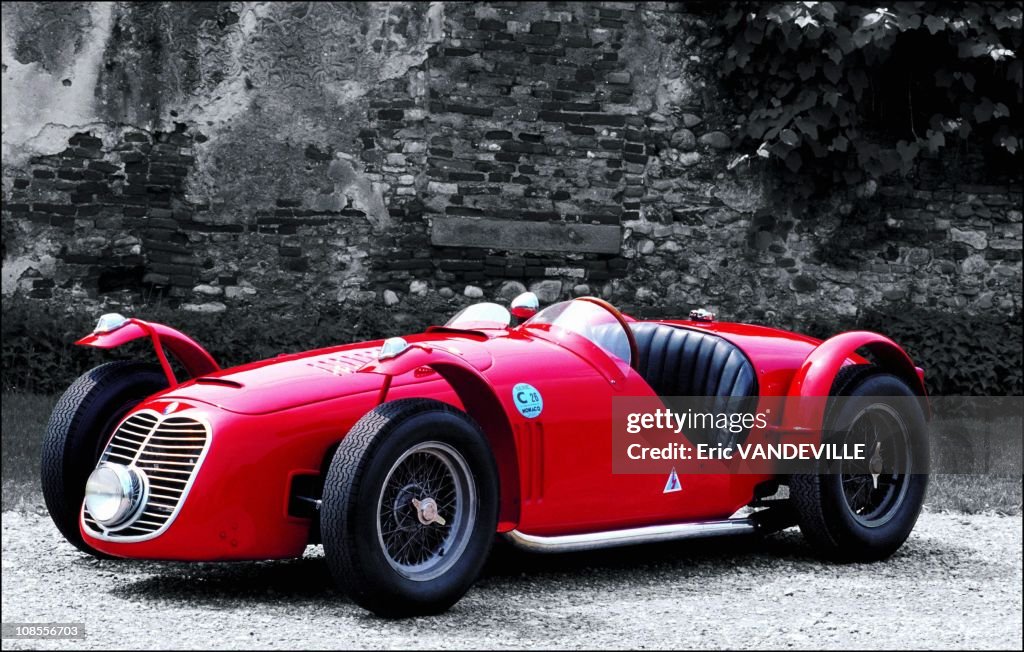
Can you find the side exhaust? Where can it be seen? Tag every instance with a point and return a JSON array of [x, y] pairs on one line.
[[615, 538]]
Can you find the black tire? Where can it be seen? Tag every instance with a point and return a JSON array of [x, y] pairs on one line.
[[78, 430], [849, 376], [360, 501], [835, 526]]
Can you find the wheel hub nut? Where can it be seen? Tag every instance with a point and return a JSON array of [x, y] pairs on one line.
[[875, 464], [426, 511]]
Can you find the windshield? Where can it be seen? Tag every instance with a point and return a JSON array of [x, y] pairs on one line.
[[588, 320], [481, 315]]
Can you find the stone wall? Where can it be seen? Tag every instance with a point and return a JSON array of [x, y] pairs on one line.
[[220, 154]]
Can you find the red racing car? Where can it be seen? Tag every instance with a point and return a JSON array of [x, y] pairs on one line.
[[404, 457]]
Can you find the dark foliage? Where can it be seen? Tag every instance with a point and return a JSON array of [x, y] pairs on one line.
[[39, 353], [836, 92], [962, 355]]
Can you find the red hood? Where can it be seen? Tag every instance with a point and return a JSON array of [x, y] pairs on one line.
[[291, 380]]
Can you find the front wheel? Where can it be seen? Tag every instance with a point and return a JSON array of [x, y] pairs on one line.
[[79, 427], [863, 510], [409, 508]]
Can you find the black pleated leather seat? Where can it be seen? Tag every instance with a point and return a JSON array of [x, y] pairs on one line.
[[682, 362]]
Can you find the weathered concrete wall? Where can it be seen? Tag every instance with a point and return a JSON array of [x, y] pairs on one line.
[[221, 153]]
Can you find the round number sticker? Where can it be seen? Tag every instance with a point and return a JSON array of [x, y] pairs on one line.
[[528, 400]]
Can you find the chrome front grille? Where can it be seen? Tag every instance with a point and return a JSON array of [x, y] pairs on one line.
[[168, 450]]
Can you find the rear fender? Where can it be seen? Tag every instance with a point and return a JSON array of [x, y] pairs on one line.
[[818, 371], [193, 357], [480, 402]]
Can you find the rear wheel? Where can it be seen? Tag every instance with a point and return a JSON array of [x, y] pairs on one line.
[[78, 430], [863, 510], [409, 508]]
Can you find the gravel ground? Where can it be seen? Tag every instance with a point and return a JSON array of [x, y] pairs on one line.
[[957, 583]]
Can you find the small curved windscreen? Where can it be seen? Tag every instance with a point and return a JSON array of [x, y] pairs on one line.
[[588, 320], [481, 315]]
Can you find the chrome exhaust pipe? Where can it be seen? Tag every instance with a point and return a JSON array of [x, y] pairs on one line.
[[632, 536]]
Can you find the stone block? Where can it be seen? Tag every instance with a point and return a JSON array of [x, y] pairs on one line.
[[208, 290], [547, 291], [716, 140], [690, 120], [973, 239], [211, 307], [529, 236], [684, 139], [510, 290], [803, 283]]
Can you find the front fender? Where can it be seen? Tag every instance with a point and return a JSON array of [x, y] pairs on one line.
[[480, 402], [818, 370], [193, 357]]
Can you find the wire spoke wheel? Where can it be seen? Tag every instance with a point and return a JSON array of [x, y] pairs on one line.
[[874, 487], [426, 510], [863, 509], [410, 507]]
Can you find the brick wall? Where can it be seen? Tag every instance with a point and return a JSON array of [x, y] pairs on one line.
[[578, 148]]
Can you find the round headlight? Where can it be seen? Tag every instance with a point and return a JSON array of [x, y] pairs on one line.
[[113, 493]]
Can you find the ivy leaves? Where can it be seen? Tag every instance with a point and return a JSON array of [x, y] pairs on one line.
[[935, 24], [809, 71]]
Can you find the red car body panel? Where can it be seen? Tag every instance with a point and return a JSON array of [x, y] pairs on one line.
[[193, 357], [278, 418]]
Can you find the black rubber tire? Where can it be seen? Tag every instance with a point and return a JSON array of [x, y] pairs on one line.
[[849, 376], [821, 508], [79, 427], [348, 513]]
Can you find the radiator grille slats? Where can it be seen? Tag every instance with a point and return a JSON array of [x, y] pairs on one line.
[[168, 450]]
